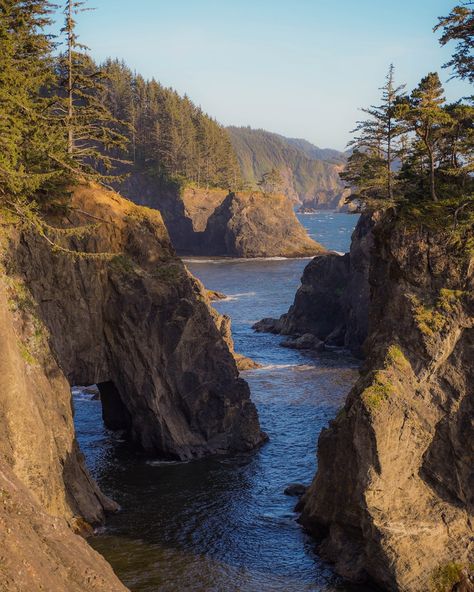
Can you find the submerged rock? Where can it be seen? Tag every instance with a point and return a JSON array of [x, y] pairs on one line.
[[268, 325], [295, 489], [306, 341]]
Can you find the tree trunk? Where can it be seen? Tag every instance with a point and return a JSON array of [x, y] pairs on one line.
[[70, 111], [432, 174]]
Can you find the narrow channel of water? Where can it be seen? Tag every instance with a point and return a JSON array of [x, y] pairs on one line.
[[224, 524]]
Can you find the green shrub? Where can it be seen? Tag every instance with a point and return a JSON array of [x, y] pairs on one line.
[[449, 298], [446, 577], [396, 357], [379, 391], [429, 320]]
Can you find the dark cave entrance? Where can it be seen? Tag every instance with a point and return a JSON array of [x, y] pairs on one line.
[[115, 414]]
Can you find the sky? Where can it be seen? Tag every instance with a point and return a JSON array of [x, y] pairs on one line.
[[301, 68]]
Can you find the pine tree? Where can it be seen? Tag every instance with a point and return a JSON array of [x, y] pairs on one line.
[[424, 115], [459, 26], [271, 182], [377, 135], [30, 137], [457, 142], [94, 136]]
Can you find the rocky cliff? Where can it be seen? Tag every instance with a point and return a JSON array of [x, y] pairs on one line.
[[256, 225], [310, 175], [392, 501], [331, 305], [135, 323], [125, 314], [214, 222]]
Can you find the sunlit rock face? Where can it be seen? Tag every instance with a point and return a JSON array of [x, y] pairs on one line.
[[137, 324], [392, 499], [216, 222]]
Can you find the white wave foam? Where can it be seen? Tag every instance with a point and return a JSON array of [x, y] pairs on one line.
[[241, 259], [237, 296], [297, 367], [275, 366]]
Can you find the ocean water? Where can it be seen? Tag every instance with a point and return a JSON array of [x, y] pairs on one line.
[[330, 229], [224, 524]]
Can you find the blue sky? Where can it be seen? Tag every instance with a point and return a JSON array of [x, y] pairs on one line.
[[298, 67]]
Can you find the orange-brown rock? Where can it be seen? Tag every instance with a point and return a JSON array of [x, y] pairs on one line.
[[214, 222], [392, 501], [122, 313]]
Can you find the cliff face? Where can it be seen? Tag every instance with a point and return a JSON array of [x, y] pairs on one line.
[[37, 436], [332, 301], [40, 552], [392, 500], [310, 175], [46, 492], [255, 225], [214, 222], [133, 321], [138, 326]]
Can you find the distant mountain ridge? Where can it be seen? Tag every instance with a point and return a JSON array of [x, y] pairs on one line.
[[310, 174]]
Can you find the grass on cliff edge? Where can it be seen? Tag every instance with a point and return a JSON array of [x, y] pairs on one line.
[[446, 578], [453, 217], [432, 318], [383, 381]]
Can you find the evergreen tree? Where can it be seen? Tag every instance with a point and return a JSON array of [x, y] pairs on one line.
[[365, 174], [424, 115], [457, 142], [271, 182], [377, 136], [30, 138], [94, 137], [168, 134], [459, 26]]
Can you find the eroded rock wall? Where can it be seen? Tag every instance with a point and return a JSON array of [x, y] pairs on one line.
[[332, 301], [392, 499], [37, 432], [40, 551], [214, 222], [135, 320]]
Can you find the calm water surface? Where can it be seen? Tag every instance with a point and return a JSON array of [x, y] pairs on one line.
[[224, 524]]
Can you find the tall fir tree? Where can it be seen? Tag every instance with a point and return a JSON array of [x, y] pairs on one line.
[[424, 115], [31, 139], [459, 26], [94, 137], [375, 145]]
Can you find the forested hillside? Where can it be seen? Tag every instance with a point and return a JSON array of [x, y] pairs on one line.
[[167, 133], [309, 175]]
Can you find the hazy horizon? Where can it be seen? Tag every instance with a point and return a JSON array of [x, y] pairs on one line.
[[301, 70]]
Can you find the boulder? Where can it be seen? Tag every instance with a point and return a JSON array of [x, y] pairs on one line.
[[306, 341]]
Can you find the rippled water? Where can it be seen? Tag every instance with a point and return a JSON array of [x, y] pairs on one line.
[[224, 524]]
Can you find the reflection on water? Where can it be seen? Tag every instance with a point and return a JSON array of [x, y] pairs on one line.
[[224, 524]]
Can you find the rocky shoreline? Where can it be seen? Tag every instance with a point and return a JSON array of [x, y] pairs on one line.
[[218, 223], [331, 305], [124, 314]]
